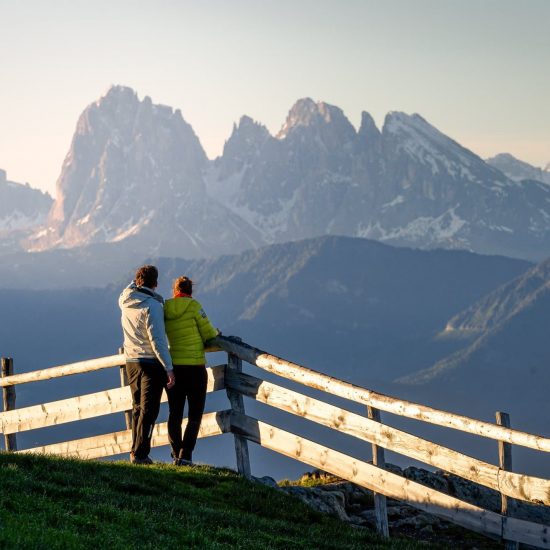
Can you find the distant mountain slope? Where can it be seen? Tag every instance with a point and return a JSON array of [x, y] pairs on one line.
[[356, 276], [519, 170], [341, 301], [95, 265], [503, 303], [509, 351], [334, 300]]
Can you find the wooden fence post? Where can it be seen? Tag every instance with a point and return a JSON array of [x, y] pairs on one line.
[[379, 499], [237, 405], [505, 463], [8, 395], [124, 382]]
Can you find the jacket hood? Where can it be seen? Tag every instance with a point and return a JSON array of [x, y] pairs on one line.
[[133, 296], [176, 307]]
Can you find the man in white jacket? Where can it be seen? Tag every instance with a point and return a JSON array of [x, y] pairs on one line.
[[148, 363]]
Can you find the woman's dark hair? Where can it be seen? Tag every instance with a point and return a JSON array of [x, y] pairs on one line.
[[147, 275], [183, 285]]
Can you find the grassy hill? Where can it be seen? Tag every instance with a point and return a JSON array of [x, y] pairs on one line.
[[53, 503]]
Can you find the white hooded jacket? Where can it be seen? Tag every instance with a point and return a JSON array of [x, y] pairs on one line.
[[143, 325]]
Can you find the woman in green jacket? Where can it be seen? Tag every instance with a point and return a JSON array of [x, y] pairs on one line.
[[187, 328]]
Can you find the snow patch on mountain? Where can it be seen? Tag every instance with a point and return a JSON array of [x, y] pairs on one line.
[[400, 199], [434, 230]]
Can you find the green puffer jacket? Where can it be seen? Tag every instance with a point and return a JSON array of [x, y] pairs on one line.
[[187, 328]]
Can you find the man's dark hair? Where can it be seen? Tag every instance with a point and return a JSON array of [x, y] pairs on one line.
[[183, 285], [147, 275]]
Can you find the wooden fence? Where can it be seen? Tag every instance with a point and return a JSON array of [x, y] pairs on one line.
[[368, 428]]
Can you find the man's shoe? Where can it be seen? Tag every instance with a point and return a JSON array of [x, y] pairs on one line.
[[137, 460], [183, 462]]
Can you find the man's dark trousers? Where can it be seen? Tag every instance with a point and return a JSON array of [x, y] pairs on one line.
[[147, 380]]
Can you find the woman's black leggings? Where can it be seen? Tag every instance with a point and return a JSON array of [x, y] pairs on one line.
[[191, 385]]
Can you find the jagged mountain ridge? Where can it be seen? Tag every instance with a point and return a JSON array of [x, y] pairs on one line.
[[519, 170], [137, 174], [408, 184], [21, 206]]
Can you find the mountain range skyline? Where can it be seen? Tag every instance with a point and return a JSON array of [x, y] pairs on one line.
[[502, 160], [136, 172]]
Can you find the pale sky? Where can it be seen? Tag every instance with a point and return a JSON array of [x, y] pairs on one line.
[[477, 70]]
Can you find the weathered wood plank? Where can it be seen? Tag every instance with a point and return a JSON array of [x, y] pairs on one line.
[[8, 398], [84, 406], [401, 407], [64, 370], [394, 486], [121, 442], [234, 366], [505, 463], [378, 459], [520, 530], [515, 485], [123, 383]]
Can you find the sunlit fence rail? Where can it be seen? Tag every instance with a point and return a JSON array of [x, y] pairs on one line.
[[368, 428]]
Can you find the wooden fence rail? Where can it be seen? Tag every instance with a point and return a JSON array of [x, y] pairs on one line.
[[83, 407], [369, 429], [63, 370], [519, 486], [400, 407]]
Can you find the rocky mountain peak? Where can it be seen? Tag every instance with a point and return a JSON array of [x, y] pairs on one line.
[[117, 93], [368, 126], [247, 133], [397, 122], [135, 168], [518, 170], [243, 146], [123, 144], [317, 116]]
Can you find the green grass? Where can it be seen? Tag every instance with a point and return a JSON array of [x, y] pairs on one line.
[[51, 503], [310, 481]]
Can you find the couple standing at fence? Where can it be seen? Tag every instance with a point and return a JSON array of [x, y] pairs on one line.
[[149, 324]]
